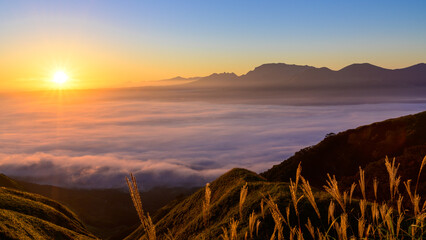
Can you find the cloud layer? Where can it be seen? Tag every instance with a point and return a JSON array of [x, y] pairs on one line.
[[94, 145]]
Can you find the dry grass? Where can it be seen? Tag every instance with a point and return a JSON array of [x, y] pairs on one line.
[[252, 222], [277, 216], [243, 196], [375, 186], [362, 182], [225, 234], [393, 178], [257, 227], [206, 204], [331, 208], [169, 235], [310, 228], [233, 227], [232, 234], [418, 175], [146, 220], [353, 186], [307, 191], [388, 219], [332, 188]]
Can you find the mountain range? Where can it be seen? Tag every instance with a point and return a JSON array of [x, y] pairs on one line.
[[283, 84], [279, 83], [281, 75]]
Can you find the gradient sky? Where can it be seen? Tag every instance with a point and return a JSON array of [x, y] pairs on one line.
[[121, 43]]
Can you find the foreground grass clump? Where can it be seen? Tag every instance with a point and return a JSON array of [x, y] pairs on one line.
[[243, 205]]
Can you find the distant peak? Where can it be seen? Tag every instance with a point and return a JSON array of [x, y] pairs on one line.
[[416, 66], [274, 64], [177, 78], [279, 65], [229, 74], [361, 66]]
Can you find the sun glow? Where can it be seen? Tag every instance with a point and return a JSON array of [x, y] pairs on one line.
[[60, 77]]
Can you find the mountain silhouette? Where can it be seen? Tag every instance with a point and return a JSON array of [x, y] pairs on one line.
[[285, 84], [360, 75], [213, 80]]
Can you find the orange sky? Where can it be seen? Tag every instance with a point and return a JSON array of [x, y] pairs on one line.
[[123, 44], [95, 66]]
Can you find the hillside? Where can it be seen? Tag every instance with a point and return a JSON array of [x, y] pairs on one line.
[[31, 216], [185, 219], [341, 154], [108, 213], [8, 182], [338, 154]]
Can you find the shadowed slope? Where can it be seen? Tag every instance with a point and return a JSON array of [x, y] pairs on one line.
[[108, 213], [7, 182], [30, 216], [366, 146]]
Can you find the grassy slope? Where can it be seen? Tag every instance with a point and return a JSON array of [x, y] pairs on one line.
[[8, 182], [30, 216], [340, 154], [185, 219], [366, 146], [108, 213]]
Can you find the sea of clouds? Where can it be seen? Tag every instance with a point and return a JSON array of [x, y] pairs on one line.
[[95, 144]]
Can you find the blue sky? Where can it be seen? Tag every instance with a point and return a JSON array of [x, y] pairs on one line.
[[169, 38]]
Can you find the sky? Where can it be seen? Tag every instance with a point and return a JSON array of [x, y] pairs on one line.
[[102, 44]]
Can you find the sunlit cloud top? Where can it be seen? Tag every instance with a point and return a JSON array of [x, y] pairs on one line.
[[121, 43]]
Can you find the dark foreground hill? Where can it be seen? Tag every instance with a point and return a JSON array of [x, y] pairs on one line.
[[31, 216], [367, 146]]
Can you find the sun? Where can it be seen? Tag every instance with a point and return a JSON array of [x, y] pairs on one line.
[[60, 77]]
